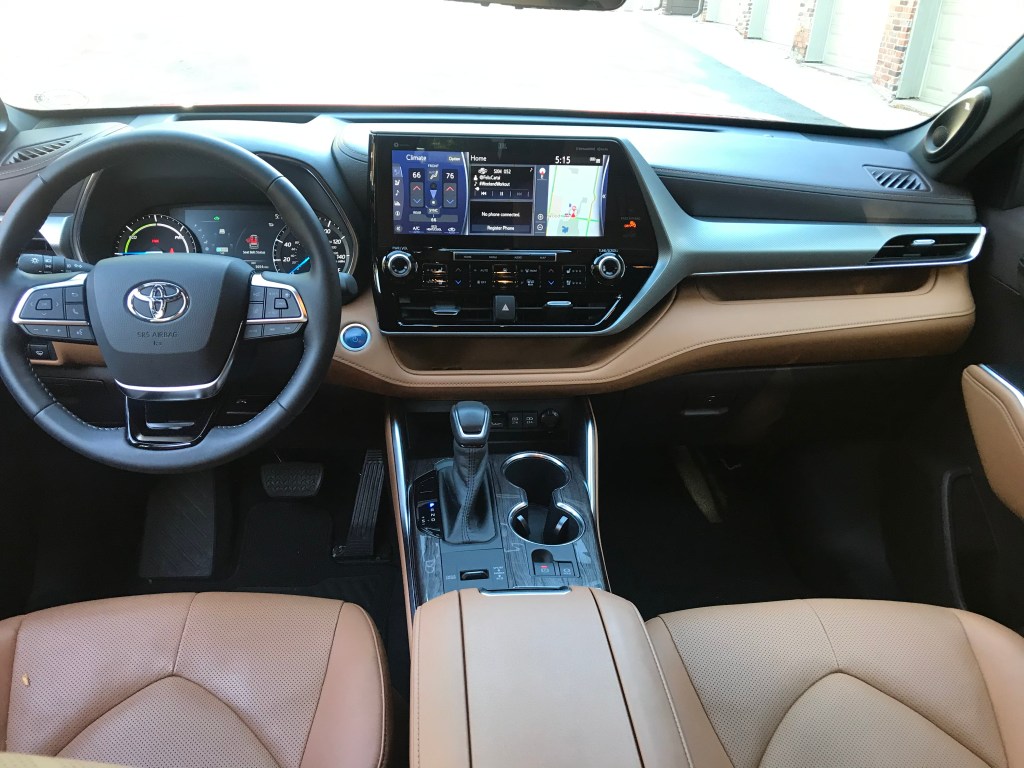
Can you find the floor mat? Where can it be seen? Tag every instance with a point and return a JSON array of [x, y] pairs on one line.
[[663, 554]]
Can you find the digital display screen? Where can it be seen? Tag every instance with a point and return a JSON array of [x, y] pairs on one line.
[[498, 191]]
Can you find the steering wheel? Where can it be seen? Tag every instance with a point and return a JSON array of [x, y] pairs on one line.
[[168, 325]]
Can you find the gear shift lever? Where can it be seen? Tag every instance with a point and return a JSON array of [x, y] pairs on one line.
[[467, 509]]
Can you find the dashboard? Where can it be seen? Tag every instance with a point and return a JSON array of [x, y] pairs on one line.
[[529, 256]]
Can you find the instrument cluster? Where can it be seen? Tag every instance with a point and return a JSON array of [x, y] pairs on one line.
[[256, 234]]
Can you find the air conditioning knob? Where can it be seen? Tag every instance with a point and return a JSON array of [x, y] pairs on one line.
[[609, 267], [398, 264]]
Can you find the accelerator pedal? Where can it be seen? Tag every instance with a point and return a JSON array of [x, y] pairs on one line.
[[359, 542], [292, 480]]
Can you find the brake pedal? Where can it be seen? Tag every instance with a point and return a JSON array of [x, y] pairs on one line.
[[359, 542], [292, 480]]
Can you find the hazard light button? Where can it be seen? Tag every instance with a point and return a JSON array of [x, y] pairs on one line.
[[504, 309]]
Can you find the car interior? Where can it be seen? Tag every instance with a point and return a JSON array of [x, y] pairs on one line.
[[364, 435]]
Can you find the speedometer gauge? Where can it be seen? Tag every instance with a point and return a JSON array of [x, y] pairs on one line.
[[155, 233], [291, 257]]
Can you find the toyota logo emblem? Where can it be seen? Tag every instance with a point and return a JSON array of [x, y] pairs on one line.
[[158, 302]]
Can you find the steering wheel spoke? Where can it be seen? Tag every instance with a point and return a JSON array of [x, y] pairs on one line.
[[54, 307], [276, 308], [167, 425]]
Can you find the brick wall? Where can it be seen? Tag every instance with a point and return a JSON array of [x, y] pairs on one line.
[[804, 19], [892, 54], [743, 17]]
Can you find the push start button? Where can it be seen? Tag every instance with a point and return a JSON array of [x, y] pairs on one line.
[[355, 337]]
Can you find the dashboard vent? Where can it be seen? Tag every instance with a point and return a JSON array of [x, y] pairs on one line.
[[897, 178], [35, 151], [926, 248]]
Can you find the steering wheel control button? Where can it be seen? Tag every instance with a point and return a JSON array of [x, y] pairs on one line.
[[81, 333], [44, 304], [253, 331], [280, 329], [257, 293], [47, 331], [74, 295], [75, 312], [255, 311], [355, 337], [504, 309], [41, 351]]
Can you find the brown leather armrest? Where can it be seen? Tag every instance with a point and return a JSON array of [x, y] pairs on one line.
[[519, 679], [996, 411]]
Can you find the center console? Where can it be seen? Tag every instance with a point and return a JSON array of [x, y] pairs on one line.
[[499, 495], [497, 235]]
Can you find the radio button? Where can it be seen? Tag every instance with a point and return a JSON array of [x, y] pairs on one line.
[[398, 264], [609, 267]]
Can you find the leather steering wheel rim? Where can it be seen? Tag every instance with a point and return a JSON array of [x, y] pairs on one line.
[[319, 289]]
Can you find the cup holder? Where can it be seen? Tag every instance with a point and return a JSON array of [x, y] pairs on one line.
[[540, 520]]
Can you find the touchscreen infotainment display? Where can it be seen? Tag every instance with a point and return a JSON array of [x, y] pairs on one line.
[[498, 189]]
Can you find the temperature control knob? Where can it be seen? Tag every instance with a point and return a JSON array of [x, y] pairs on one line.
[[398, 264], [609, 267]]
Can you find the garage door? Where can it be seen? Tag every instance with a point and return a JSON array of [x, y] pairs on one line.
[[855, 34], [723, 11], [969, 36], [780, 21]]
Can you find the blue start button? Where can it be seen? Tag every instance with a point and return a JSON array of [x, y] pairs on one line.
[[355, 337]]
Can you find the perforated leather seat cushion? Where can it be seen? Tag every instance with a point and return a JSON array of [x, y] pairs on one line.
[[212, 679], [844, 683]]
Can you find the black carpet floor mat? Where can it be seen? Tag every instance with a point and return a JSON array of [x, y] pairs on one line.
[[664, 555]]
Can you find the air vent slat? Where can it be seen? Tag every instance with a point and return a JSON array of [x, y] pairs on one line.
[[35, 151], [925, 248], [899, 179]]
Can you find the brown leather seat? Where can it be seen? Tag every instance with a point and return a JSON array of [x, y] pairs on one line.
[[843, 683], [212, 679]]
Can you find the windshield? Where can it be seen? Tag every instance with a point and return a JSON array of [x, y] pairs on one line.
[[864, 63]]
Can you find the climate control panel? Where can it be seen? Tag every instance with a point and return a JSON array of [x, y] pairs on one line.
[[580, 289]]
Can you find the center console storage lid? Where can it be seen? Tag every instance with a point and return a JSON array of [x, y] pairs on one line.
[[534, 678]]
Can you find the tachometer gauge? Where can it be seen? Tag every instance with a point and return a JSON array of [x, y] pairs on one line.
[[155, 233], [290, 255]]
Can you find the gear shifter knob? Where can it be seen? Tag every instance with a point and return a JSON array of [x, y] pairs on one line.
[[471, 423]]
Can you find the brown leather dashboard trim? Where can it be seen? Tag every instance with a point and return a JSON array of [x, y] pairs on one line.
[[693, 329]]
